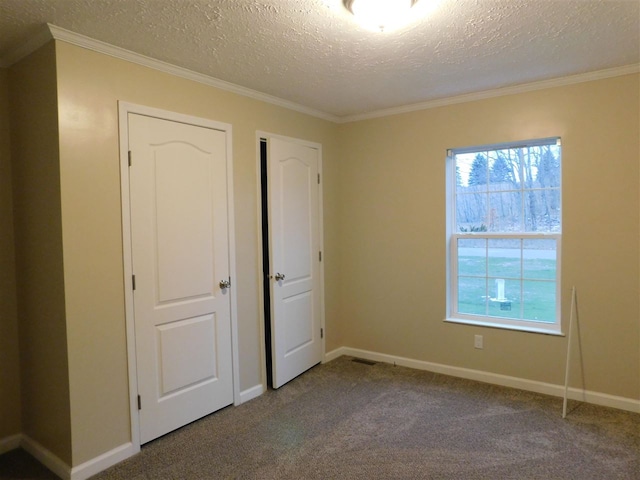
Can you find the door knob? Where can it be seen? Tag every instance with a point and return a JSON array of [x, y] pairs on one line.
[[224, 284], [279, 276]]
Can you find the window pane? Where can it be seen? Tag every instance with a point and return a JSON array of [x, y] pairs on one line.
[[478, 169], [548, 175], [471, 212], [540, 301], [527, 159], [464, 163], [542, 210], [504, 258], [512, 160], [504, 298], [504, 212], [472, 260], [501, 173], [472, 295], [539, 259]]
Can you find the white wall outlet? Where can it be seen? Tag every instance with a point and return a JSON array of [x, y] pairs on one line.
[[477, 341]]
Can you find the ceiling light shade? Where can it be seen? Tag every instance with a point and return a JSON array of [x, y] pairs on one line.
[[380, 15]]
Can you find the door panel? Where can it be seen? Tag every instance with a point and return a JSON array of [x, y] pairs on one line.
[[180, 254], [186, 356], [296, 311], [295, 245], [185, 259], [298, 180]]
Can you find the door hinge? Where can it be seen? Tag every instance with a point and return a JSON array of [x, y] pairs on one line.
[[133, 281], [139, 403], [320, 256], [322, 333], [318, 179], [129, 157]]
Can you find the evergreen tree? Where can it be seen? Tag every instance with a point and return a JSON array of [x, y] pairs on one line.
[[500, 171], [478, 173]]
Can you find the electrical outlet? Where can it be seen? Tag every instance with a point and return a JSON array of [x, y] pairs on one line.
[[477, 341]]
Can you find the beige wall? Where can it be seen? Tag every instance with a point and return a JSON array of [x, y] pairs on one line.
[[39, 262], [89, 86], [392, 233], [384, 221], [10, 370]]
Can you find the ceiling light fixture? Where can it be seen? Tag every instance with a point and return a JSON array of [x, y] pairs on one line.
[[380, 15]]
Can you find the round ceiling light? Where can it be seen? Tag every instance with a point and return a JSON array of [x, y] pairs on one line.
[[380, 15]]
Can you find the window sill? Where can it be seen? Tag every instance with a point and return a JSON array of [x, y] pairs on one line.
[[489, 324]]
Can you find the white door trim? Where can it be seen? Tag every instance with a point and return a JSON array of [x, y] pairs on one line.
[[259, 135], [124, 108]]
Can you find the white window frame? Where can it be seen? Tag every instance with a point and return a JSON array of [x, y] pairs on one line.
[[453, 236]]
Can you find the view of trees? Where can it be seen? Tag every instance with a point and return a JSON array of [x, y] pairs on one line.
[[509, 190]]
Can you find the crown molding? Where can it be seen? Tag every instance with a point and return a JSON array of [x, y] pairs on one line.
[[498, 92], [49, 32], [123, 54]]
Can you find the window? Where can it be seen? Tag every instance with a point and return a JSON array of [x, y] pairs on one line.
[[504, 234]]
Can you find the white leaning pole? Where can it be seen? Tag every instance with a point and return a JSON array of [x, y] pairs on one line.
[[566, 373]]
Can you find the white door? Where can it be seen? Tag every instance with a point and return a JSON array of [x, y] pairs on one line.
[[180, 257], [294, 231]]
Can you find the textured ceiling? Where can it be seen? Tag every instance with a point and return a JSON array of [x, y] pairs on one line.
[[311, 52]]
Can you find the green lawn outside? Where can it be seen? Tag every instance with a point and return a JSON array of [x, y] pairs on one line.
[[477, 286]]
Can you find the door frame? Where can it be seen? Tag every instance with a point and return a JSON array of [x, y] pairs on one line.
[[261, 299], [124, 109]]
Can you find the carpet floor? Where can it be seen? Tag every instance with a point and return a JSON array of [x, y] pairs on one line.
[[350, 420]]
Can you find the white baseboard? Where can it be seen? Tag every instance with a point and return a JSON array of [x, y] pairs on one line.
[[333, 354], [596, 398], [104, 461], [10, 443], [46, 457], [82, 471], [251, 393], [97, 464]]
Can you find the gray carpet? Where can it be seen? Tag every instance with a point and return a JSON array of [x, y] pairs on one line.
[[354, 421]]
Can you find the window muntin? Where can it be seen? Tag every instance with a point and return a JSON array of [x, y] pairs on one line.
[[505, 234]]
